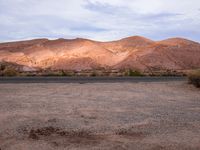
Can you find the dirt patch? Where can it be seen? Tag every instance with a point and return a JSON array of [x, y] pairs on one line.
[[129, 133], [159, 147], [45, 131], [58, 136]]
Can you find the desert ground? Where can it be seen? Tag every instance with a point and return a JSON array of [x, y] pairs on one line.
[[100, 116]]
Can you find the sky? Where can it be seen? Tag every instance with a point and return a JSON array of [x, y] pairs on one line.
[[102, 20]]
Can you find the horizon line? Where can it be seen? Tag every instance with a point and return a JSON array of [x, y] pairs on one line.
[[74, 38]]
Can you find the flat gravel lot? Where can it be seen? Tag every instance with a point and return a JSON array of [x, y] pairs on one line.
[[100, 116]]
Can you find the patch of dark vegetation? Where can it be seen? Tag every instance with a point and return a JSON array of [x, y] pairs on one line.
[[91, 73], [55, 73], [194, 78], [165, 72], [58, 136], [11, 69]]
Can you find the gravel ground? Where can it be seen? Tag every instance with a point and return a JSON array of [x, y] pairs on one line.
[[100, 116]]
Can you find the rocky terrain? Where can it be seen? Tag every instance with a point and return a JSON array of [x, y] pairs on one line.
[[137, 53]]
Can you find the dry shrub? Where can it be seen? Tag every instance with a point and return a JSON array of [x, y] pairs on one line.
[[194, 78], [10, 72], [133, 73]]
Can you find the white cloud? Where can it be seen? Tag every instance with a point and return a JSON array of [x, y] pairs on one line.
[[99, 19]]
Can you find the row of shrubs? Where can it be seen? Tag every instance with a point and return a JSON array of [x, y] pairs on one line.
[[9, 71], [194, 78]]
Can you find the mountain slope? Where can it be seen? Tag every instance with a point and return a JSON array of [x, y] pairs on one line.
[[171, 54], [82, 54]]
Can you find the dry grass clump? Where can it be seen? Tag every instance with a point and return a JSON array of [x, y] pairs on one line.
[[194, 78], [9, 69], [10, 72], [133, 73]]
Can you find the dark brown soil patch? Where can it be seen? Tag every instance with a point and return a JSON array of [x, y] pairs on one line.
[[130, 133], [58, 136]]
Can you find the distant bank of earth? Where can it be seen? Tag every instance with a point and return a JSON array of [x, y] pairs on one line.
[[71, 57]]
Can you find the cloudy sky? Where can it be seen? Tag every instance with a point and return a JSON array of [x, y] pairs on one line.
[[99, 19]]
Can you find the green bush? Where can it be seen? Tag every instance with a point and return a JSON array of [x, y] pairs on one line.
[[194, 78]]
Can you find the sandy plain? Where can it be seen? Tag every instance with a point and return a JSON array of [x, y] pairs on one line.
[[100, 116]]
